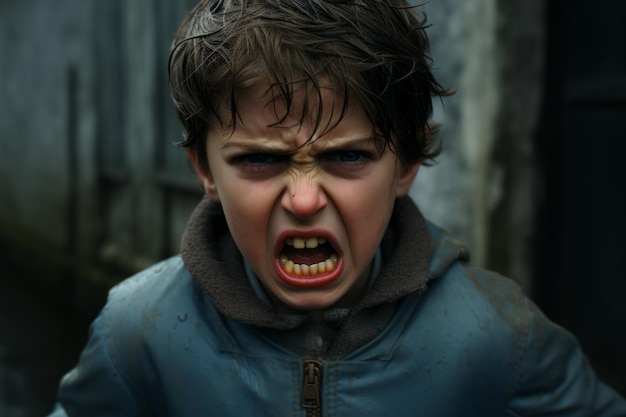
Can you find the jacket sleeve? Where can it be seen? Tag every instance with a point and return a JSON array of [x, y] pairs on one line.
[[95, 387], [556, 379]]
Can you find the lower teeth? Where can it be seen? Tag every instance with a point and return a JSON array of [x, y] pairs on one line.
[[303, 269]]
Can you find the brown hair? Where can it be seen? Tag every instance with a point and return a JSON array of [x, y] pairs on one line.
[[374, 51]]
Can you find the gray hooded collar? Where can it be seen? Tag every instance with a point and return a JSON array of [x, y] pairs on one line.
[[215, 263]]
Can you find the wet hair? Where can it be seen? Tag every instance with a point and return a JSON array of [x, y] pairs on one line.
[[373, 51]]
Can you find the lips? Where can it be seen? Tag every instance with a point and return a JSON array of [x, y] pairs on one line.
[[308, 260]]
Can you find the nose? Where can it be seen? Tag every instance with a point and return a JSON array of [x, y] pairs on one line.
[[304, 197]]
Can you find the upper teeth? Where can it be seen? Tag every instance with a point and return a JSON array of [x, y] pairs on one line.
[[301, 243]]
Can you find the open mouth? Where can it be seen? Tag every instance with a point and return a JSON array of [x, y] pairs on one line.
[[308, 261]]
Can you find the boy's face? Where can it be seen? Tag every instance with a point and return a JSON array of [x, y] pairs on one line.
[[333, 196]]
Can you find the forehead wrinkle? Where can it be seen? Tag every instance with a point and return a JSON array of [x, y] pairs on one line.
[[275, 139]]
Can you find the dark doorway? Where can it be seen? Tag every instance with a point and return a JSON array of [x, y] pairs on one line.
[[581, 143]]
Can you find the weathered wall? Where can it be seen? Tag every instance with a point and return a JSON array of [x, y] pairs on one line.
[[482, 190], [41, 46], [89, 179]]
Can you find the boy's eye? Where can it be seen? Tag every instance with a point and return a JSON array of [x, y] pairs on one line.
[[260, 164], [257, 158], [347, 162], [260, 158], [349, 156]]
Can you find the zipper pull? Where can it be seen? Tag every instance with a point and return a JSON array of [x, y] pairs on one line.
[[312, 387]]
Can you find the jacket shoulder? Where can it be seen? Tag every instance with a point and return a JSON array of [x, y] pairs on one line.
[[153, 304], [541, 366], [142, 287]]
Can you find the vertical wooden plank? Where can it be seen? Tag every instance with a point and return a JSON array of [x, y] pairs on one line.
[[141, 133]]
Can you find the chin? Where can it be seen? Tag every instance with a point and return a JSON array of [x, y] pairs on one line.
[[309, 303]]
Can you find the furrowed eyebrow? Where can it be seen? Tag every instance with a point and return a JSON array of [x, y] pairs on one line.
[[317, 147], [347, 144], [253, 146]]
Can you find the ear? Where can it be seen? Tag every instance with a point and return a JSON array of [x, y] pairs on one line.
[[204, 175], [407, 176]]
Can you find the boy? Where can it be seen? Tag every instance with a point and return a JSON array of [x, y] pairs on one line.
[[309, 283]]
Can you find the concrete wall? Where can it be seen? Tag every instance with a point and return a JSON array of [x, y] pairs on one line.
[[42, 45], [91, 186], [483, 188]]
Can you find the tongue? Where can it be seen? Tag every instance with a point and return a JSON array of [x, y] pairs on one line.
[[308, 256]]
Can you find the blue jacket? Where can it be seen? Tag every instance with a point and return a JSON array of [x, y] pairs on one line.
[[470, 344]]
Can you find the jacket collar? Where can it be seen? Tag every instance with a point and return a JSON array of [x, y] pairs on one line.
[[215, 263]]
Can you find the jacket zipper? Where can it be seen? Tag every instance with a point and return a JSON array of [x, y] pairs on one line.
[[312, 388]]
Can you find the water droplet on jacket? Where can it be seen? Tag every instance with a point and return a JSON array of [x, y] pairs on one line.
[[182, 316]]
